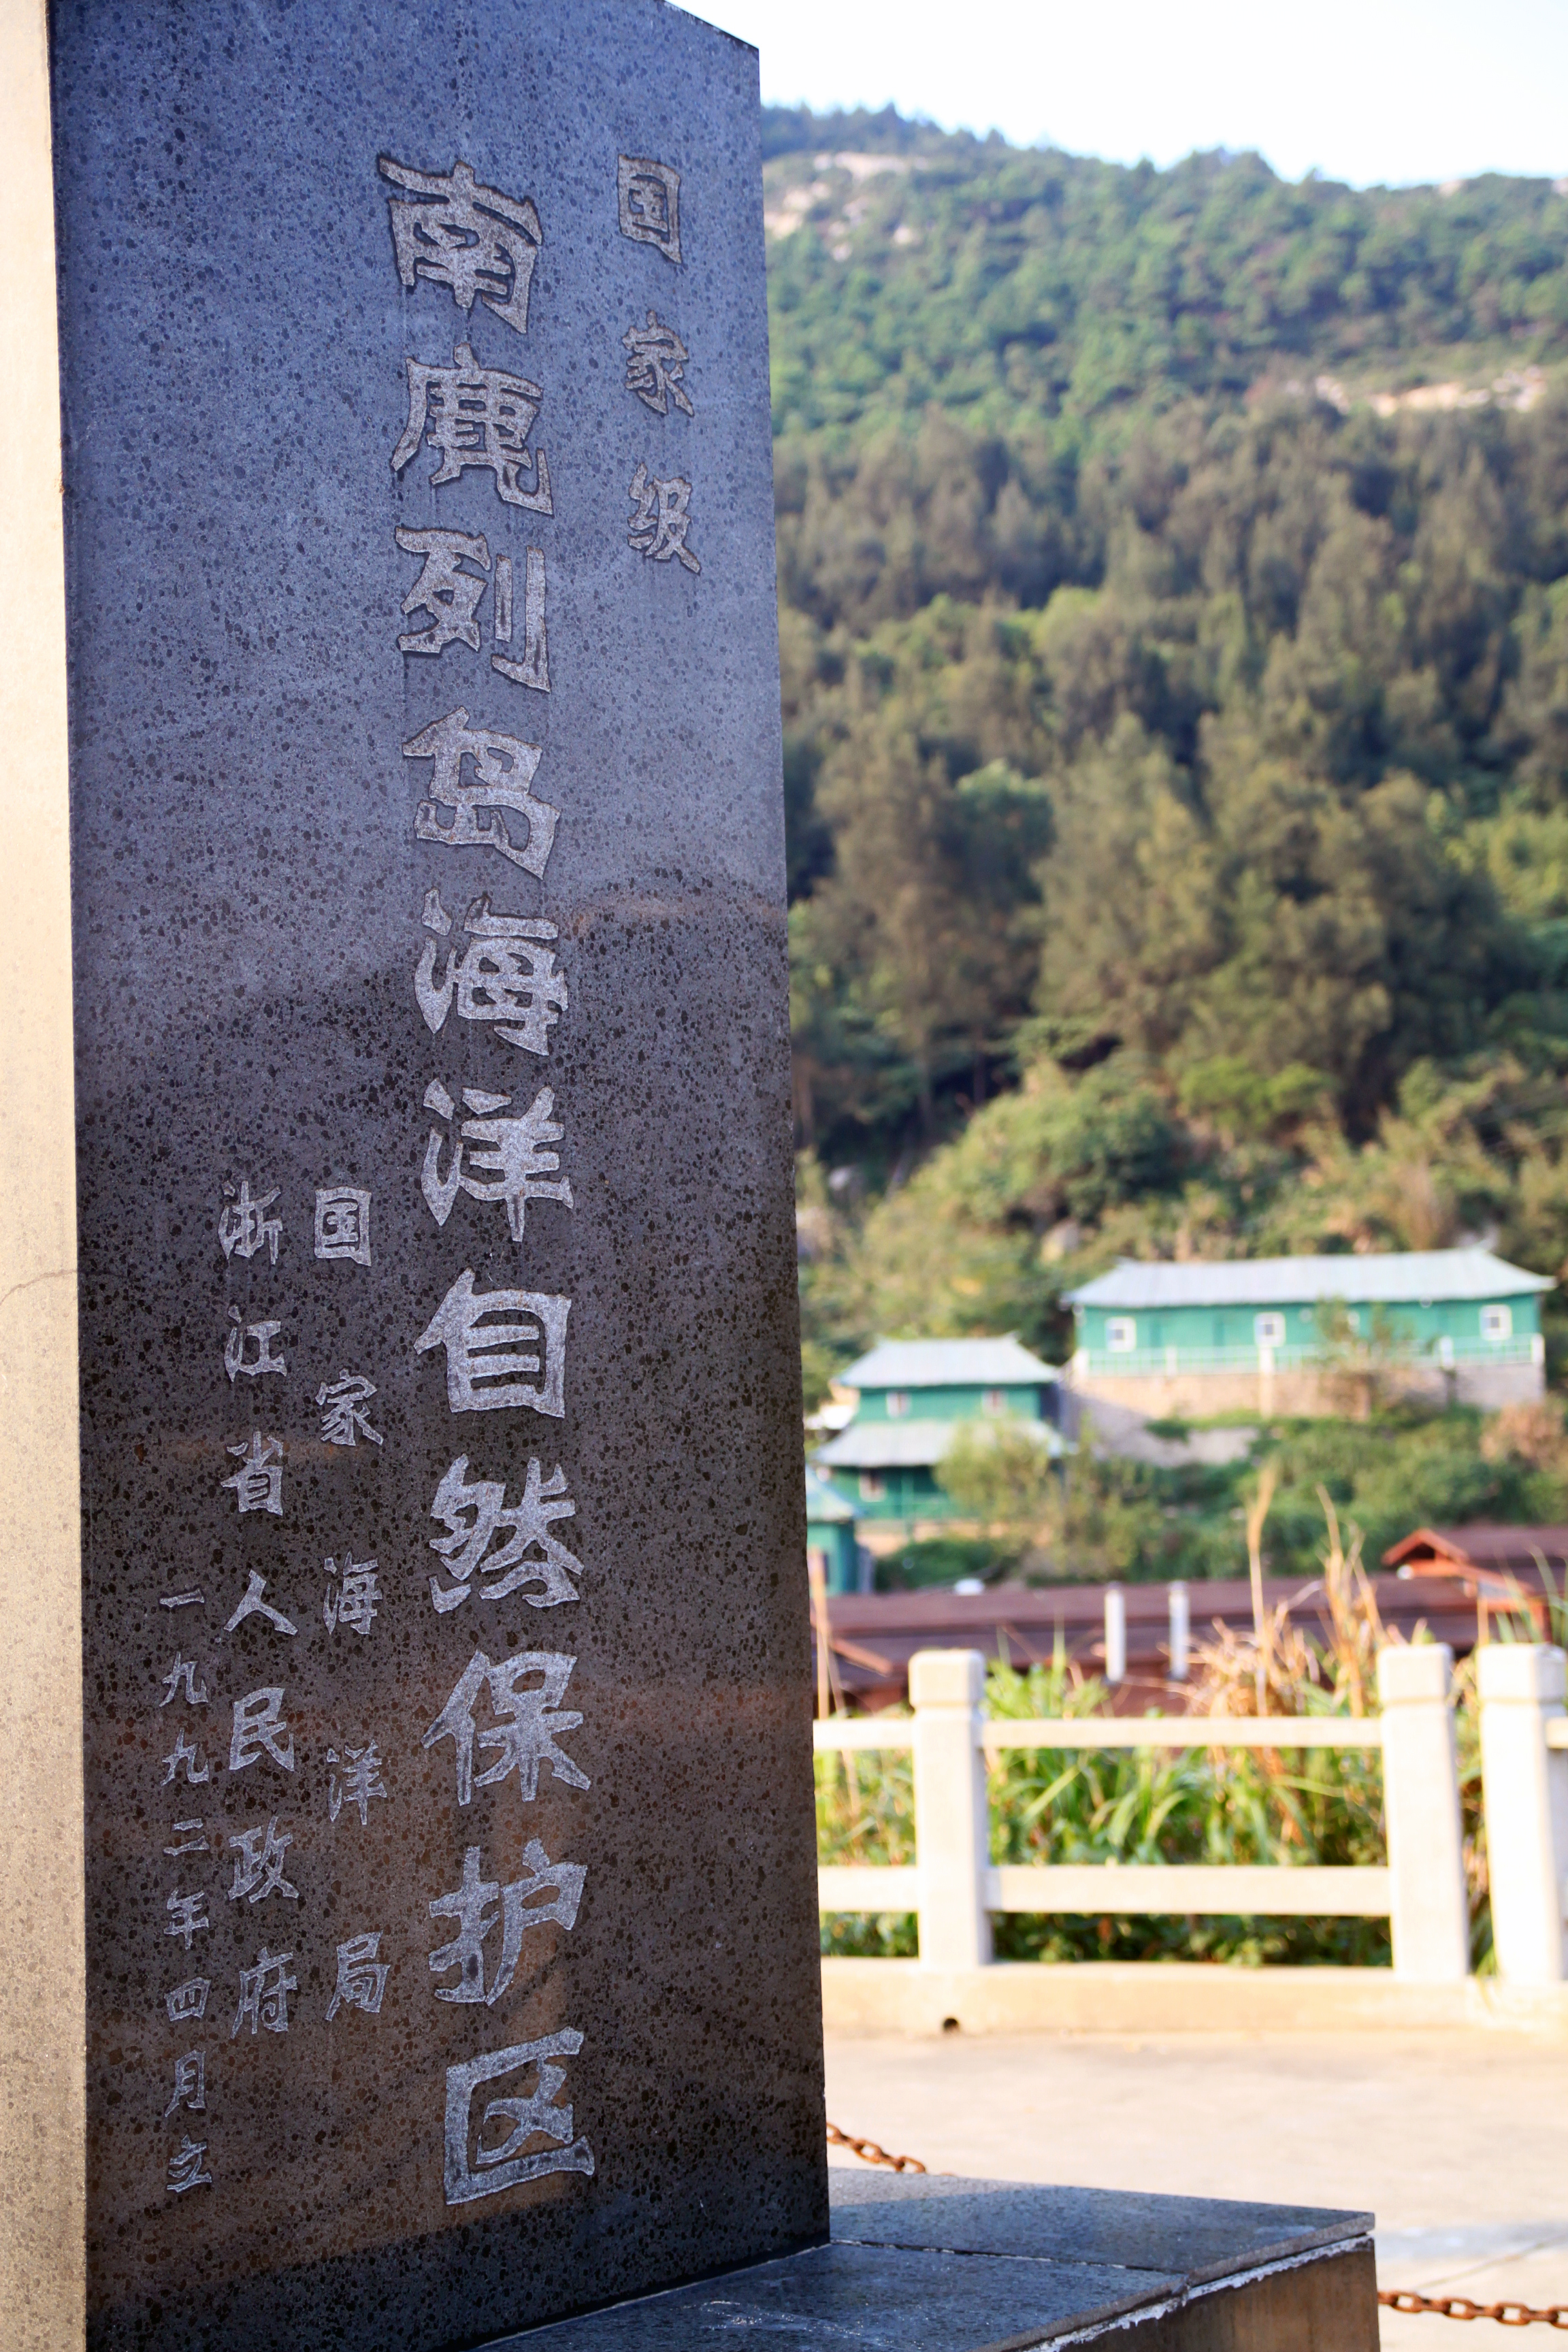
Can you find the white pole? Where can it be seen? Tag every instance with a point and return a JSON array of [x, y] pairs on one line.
[[952, 1813], [1522, 1689], [1115, 1635], [1181, 1630], [1429, 1912]]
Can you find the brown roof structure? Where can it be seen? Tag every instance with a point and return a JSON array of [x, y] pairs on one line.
[[1514, 1551], [1503, 1569], [873, 1636]]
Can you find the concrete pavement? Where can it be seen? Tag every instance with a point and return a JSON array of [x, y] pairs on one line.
[[1456, 2141]]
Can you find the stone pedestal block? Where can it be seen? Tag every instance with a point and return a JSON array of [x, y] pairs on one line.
[[940, 2264]]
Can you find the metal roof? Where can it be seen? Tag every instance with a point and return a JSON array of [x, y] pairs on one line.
[[948, 1364], [1483, 1543], [917, 1444], [823, 1500], [1377, 1278]]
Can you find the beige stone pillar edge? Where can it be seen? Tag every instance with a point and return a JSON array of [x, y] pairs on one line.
[[43, 2094]]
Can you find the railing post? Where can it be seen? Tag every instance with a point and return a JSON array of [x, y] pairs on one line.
[[1179, 1611], [1428, 1905], [1115, 1635], [953, 1812], [1521, 1686]]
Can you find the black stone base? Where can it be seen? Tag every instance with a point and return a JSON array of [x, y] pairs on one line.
[[932, 2263]]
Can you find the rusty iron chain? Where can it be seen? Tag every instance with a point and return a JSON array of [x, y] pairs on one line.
[[1447, 2306], [870, 2153], [1459, 2306]]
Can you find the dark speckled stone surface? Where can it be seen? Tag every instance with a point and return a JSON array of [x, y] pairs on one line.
[[248, 894], [941, 2265], [1197, 2237]]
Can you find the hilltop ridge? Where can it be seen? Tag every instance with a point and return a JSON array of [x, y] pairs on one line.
[[1017, 287]]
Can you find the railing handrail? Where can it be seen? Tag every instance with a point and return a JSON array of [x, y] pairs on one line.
[[861, 1731], [999, 1732], [1182, 1731], [1309, 1890]]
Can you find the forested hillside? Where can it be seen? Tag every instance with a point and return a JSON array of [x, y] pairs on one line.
[[1176, 716]]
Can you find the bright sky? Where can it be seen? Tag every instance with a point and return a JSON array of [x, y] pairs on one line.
[[1364, 90]]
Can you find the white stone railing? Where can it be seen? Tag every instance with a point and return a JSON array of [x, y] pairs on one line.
[[1524, 1778], [955, 1888]]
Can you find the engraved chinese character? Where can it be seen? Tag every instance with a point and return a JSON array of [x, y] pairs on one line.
[[502, 975], [187, 1917], [188, 1753], [355, 1779], [474, 2169], [260, 1730], [185, 2168], [475, 1513], [189, 1844], [533, 669], [521, 1167], [342, 1223], [503, 769], [477, 417], [444, 590], [257, 1484], [524, 1732], [362, 1977], [471, 1904], [481, 1352], [235, 1358], [452, 597], [452, 230], [188, 2002], [263, 1993], [649, 196], [259, 1865], [244, 1227], [658, 528], [190, 2082], [253, 1605], [183, 1671], [354, 1602], [656, 366], [344, 1417]]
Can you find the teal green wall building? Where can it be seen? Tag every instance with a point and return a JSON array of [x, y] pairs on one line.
[[911, 1395], [1210, 1335], [830, 1529]]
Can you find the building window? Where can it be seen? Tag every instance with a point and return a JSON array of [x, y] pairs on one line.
[[1120, 1334], [993, 1399], [873, 1486], [898, 1403], [1497, 1322], [1268, 1330]]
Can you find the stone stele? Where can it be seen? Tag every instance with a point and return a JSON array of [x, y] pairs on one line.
[[408, 1831]]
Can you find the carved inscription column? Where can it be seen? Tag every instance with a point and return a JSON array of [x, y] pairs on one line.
[[490, 991]]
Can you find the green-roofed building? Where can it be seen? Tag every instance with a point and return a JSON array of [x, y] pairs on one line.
[[911, 1396], [1260, 1335], [830, 1530]]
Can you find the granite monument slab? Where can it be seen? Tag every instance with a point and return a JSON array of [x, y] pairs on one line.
[[450, 1937]]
